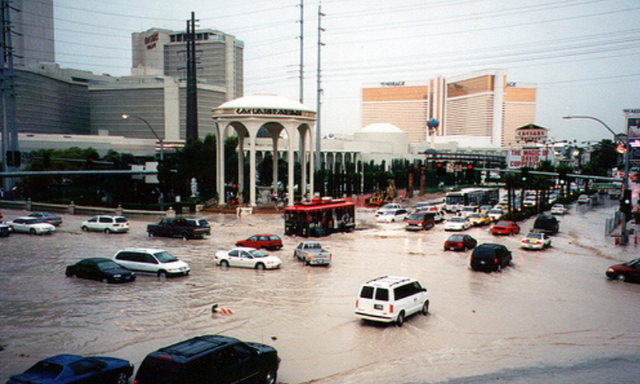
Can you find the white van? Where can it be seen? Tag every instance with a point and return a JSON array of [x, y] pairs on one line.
[[391, 299]]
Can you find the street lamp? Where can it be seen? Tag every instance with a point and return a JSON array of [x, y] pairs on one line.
[[625, 180], [126, 116]]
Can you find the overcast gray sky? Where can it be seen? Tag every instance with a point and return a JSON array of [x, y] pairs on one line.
[[582, 54]]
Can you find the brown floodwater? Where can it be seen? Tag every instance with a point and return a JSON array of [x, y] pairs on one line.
[[551, 307]]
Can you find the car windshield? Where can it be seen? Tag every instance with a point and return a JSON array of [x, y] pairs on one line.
[[274, 238], [31, 221], [107, 265], [416, 216], [456, 219], [503, 223], [534, 236], [484, 252], [496, 211], [258, 253], [456, 238], [165, 257], [121, 219]]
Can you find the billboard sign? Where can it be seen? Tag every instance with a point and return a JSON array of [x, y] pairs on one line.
[[527, 157], [632, 117]]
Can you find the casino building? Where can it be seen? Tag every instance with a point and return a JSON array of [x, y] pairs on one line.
[[479, 109]]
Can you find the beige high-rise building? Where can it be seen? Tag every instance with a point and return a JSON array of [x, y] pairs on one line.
[[482, 107]]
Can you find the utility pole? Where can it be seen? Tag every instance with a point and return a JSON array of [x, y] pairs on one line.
[[301, 51], [192, 84], [319, 88], [10, 152]]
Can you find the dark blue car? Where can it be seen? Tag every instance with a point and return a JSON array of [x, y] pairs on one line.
[[101, 269], [67, 369]]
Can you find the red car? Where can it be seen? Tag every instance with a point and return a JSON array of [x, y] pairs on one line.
[[261, 241], [505, 227], [460, 242], [629, 271]]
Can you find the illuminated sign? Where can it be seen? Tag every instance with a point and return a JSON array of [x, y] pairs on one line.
[[531, 133]]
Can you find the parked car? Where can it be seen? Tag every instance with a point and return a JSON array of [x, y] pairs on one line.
[[505, 227], [210, 359], [47, 217], [101, 269], [106, 224], [391, 299], [73, 369], [312, 253], [495, 214], [177, 227], [457, 223], [489, 256], [629, 271], [261, 241], [558, 209], [387, 207], [583, 199], [420, 220], [247, 258], [202, 223], [479, 219], [547, 224], [30, 225], [152, 261], [460, 242], [535, 240], [393, 215]]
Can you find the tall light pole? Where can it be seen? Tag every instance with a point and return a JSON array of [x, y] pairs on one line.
[[624, 238], [126, 116]]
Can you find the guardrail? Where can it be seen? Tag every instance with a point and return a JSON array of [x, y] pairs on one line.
[[74, 209]]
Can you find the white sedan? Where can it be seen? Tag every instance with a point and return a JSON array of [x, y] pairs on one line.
[[393, 215], [31, 225], [247, 258], [536, 240], [558, 209], [457, 223]]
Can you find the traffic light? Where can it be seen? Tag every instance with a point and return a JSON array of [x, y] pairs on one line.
[[89, 163], [470, 172], [13, 158], [440, 169], [625, 204]]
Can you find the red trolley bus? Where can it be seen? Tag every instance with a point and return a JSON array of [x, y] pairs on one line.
[[320, 217]]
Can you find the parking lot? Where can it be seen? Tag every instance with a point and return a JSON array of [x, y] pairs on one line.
[[552, 307]]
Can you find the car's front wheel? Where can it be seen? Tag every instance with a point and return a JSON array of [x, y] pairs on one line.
[[185, 236], [425, 308], [32, 231], [621, 277], [122, 378], [162, 274], [151, 234], [260, 266], [270, 377], [224, 263], [107, 231]]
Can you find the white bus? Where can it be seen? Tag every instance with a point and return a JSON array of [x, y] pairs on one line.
[[455, 201]]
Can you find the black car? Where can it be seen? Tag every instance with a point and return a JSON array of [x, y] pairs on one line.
[[490, 257], [5, 230], [47, 217], [177, 227], [101, 269], [210, 359], [73, 369], [547, 224]]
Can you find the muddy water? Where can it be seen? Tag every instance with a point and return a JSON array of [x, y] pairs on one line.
[[551, 307]]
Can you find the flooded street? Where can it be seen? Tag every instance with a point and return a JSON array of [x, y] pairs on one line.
[[552, 307]]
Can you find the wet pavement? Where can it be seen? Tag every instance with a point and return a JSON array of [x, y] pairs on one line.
[[551, 308]]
